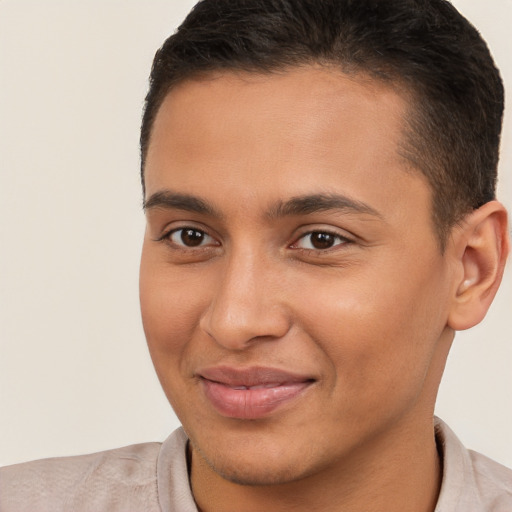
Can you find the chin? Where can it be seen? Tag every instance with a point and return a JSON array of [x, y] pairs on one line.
[[259, 480], [256, 475], [256, 465]]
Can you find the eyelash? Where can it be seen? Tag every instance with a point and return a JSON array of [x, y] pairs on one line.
[[338, 240], [167, 237]]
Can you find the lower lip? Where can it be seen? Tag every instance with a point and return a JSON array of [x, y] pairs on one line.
[[250, 404]]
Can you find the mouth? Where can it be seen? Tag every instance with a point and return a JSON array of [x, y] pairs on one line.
[[251, 393]]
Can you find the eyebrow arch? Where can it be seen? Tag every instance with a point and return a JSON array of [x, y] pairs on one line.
[[304, 205], [172, 200]]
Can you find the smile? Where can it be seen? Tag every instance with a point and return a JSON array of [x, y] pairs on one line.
[[252, 393]]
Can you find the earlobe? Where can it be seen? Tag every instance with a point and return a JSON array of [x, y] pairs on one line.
[[482, 247]]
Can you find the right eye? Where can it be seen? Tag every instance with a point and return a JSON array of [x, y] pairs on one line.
[[190, 237]]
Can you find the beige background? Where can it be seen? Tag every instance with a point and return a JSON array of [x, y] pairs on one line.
[[75, 375]]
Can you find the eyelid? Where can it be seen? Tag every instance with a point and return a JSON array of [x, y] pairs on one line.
[[342, 239], [204, 242], [166, 236]]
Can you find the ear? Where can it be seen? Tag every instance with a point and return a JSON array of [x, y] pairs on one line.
[[481, 244]]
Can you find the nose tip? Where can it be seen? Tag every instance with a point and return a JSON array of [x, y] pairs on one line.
[[245, 309], [239, 326]]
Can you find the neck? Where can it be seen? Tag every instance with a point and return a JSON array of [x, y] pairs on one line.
[[399, 472]]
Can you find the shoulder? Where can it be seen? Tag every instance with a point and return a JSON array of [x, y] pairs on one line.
[[493, 481], [106, 480], [471, 481]]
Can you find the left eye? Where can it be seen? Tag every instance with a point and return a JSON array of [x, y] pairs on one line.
[[319, 240], [190, 237]]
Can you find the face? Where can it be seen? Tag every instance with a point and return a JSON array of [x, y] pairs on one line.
[[293, 294]]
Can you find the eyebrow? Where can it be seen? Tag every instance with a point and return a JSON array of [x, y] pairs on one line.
[[307, 204], [299, 205], [172, 200]]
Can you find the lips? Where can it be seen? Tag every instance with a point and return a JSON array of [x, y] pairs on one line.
[[251, 393]]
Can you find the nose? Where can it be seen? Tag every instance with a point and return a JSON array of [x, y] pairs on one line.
[[247, 303]]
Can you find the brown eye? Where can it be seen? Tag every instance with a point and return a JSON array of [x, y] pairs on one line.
[[320, 240], [190, 237]]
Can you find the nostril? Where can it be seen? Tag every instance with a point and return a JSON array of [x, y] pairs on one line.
[[239, 331]]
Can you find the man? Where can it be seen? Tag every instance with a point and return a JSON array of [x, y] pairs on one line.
[[321, 218]]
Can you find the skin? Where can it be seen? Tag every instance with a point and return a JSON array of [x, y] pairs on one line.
[[370, 319]]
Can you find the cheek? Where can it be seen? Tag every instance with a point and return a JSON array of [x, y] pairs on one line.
[[378, 334], [171, 307]]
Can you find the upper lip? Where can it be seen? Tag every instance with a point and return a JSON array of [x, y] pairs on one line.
[[251, 376]]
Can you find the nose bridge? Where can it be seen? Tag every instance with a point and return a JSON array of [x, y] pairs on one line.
[[246, 303]]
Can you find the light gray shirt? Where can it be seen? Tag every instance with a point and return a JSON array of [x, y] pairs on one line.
[[153, 477]]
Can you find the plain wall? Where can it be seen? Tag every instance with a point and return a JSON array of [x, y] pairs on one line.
[[75, 375]]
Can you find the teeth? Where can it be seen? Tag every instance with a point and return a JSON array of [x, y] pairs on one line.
[[263, 386], [259, 386]]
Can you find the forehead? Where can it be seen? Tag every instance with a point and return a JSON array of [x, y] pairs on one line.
[[309, 101], [304, 129]]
